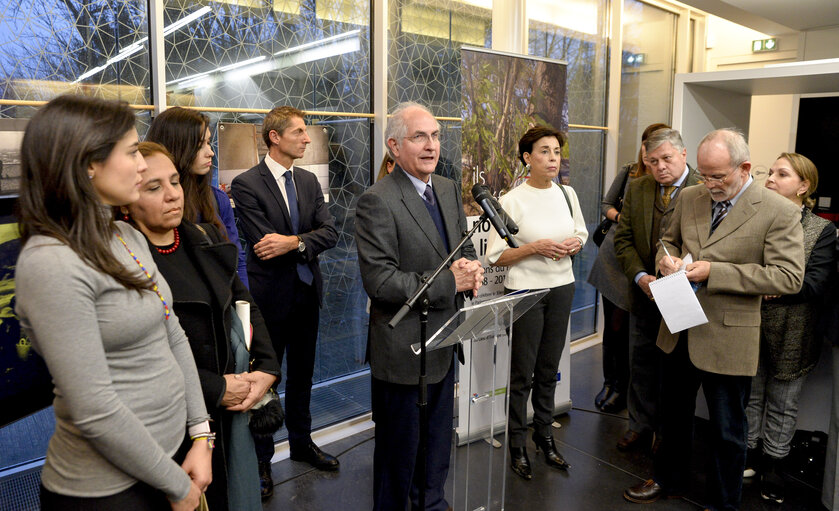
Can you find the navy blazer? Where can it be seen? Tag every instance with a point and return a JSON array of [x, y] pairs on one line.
[[261, 210]]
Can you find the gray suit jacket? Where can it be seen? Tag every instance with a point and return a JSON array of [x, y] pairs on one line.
[[398, 245], [757, 250]]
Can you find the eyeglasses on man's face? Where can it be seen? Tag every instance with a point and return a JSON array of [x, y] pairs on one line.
[[424, 138], [717, 180]]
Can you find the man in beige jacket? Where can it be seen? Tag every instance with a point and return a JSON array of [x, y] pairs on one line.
[[745, 242]]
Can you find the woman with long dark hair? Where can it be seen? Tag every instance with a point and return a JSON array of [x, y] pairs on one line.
[[186, 134], [90, 298]]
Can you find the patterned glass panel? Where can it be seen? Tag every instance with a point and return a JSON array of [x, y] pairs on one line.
[[578, 38], [425, 39], [313, 55], [81, 47]]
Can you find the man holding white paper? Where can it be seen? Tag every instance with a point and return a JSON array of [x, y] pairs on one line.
[[746, 242], [647, 207]]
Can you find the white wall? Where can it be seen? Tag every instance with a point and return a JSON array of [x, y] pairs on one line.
[[821, 44], [771, 128], [729, 46]]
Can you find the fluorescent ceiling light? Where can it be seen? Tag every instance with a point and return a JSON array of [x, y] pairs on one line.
[[340, 44], [295, 49], [184, 81], [137, 46]]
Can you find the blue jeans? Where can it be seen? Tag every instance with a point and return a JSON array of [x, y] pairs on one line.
[[778, 400], [726, 397]]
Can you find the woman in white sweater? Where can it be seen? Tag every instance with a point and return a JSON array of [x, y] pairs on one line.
[[94, 306], [551, 230]]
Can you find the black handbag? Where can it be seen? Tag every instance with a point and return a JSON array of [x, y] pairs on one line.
[[603, 229]]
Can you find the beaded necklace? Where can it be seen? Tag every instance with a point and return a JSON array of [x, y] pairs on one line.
[[148, 275], [167, 251]]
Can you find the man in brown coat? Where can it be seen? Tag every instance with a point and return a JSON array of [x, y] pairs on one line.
[[746, 242]]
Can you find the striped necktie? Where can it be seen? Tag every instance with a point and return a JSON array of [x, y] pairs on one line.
[[720, 210]]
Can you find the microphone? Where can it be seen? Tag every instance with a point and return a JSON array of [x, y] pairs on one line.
[[485, 201], [512, 227]]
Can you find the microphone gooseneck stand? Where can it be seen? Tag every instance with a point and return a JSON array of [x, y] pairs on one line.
[[421, 297]]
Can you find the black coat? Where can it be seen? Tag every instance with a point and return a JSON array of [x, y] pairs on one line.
[[215, 259]]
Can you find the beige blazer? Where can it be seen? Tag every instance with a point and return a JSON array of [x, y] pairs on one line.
[[757, 250]]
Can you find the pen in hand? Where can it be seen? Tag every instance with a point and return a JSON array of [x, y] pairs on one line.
[[666, 252]]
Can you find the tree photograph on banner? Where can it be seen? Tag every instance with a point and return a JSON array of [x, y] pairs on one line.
[[502, 96]]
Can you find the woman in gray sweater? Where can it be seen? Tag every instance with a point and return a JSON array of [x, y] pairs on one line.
[[94, 306]]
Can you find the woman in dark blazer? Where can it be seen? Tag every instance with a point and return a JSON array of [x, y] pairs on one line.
[[201, 268]]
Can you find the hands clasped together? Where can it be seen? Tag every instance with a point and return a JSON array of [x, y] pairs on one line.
[[245, 389], [468, 275], [555, 250]]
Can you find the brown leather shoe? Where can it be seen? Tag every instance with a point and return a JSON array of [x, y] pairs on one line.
[[644, 493], [633, 440]]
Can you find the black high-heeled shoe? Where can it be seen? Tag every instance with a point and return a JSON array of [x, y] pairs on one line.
[[603, 395], [552, 457], [520, 463]]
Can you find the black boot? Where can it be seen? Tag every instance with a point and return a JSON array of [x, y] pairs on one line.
[[552, 457], [615, 403], [603, 395], [266, 483], [772, 484], [520, 463]]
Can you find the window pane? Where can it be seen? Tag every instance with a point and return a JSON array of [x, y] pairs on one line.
[[94, 48], [575, 32], [649, 56], [425, 40]]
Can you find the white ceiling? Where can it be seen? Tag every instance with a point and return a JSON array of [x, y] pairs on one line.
[[774, 17]]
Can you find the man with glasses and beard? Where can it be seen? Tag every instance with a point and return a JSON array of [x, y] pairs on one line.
[[746, 242]]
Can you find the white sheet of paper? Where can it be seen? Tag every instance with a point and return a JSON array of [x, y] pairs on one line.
[[677, 302]]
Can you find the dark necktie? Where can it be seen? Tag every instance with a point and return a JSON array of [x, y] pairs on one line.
[[434, 211], [720, 210], [303, 270]]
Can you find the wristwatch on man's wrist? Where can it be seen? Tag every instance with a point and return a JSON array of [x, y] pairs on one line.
[[301, 245]]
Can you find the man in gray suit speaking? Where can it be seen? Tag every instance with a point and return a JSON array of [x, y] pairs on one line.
[[406, 224]]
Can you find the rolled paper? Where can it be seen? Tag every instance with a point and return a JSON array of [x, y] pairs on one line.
[[243, 310]]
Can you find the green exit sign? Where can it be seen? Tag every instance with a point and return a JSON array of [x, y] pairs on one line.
[[765, 45]]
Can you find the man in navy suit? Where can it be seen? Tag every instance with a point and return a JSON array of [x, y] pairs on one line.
[[406, 224], [285, 220]]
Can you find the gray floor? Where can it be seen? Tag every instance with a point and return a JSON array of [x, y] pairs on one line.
[[598, 474]]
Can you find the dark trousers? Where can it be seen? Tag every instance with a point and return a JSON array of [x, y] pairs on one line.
[[296, 336], [615, 346], [139, 497], [727, 397], [644, 371], [538, 341], [396, 415]]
